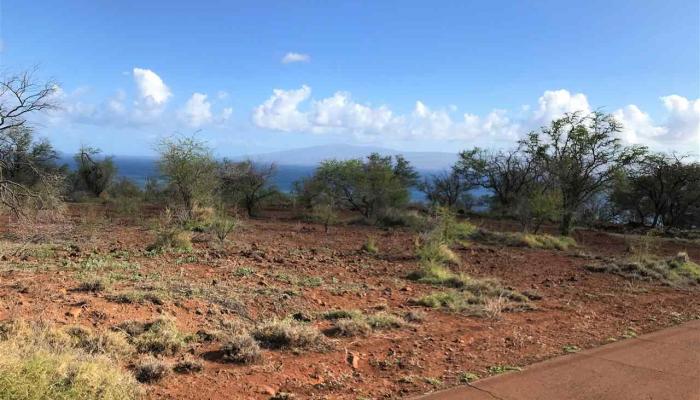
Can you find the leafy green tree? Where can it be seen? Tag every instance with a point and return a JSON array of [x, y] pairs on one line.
[[247, 183], [509, 175], [94, 173], [581, 155], [189, 168], [660, 189], [367, 186]]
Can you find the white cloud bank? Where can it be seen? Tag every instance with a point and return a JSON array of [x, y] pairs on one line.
[[295, 58], [295, 111], [149, 106]]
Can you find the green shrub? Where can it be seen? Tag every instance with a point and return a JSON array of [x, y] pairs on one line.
[[222, 226]]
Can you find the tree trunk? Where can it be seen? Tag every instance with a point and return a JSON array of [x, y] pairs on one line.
[[567, 220]]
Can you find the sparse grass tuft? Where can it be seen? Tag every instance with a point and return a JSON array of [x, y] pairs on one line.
[[93, 285], [288, 334], [677, 271], [150, 370], [384, 320], [370, 246], [519, 239], [113, 344], [158, 337], [135, 297], [188, 365], [351, 327], [432, 251], [241, 348]]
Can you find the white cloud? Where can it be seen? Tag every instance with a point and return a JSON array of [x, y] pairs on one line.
[[197, 110], [681, 128], [293, 111], [280, 111], [555, 103], [295, 57], [151, 87]]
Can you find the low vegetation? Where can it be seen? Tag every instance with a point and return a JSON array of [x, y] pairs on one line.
[[354, 323], [40, 361], [157, 337], [289, 334], [677, 271]]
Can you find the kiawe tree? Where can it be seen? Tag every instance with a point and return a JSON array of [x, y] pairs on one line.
[[582, 155], [368, 186], [189, 168], [246, 183], [94, 173], [29, 177]]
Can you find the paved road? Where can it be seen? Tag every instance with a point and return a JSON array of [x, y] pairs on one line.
[[664, 365]]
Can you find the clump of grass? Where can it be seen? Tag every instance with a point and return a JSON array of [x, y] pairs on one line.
[[384, 320], [519, 239], [288, 334], [415, 316], [136, 297], [678, 270], [370, 246], [434, 273], [355, 323], [432, 251], [450, 299], [150, 370], [188, 365], [169, 236], [114, 344], [241, 348], [92, 285], [157, 337], [40, 361], [222, 226], [350, 327], [342, 314]]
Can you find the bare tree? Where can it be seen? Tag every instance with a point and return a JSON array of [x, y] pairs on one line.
[[20, 97]]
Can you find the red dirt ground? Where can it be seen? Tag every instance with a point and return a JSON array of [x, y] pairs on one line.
[[578, 307]]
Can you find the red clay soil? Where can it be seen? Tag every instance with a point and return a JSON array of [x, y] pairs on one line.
[[664, 365], [271, 269]]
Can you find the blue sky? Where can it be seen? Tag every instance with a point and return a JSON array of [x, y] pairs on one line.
[[410, 75]]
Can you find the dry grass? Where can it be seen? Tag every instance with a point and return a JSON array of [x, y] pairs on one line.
[[241, 348], [519, 239], [288, 334], [40, 361], [158, 337], [676, 271]]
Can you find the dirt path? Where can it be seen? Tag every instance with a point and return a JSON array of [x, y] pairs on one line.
[[662, 365]]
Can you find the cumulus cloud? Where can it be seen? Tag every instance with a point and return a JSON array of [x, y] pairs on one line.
[[151, 87], [295, 111], [681, 128], [340, 114], [295, 58], [280, 112], [197, 110]]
